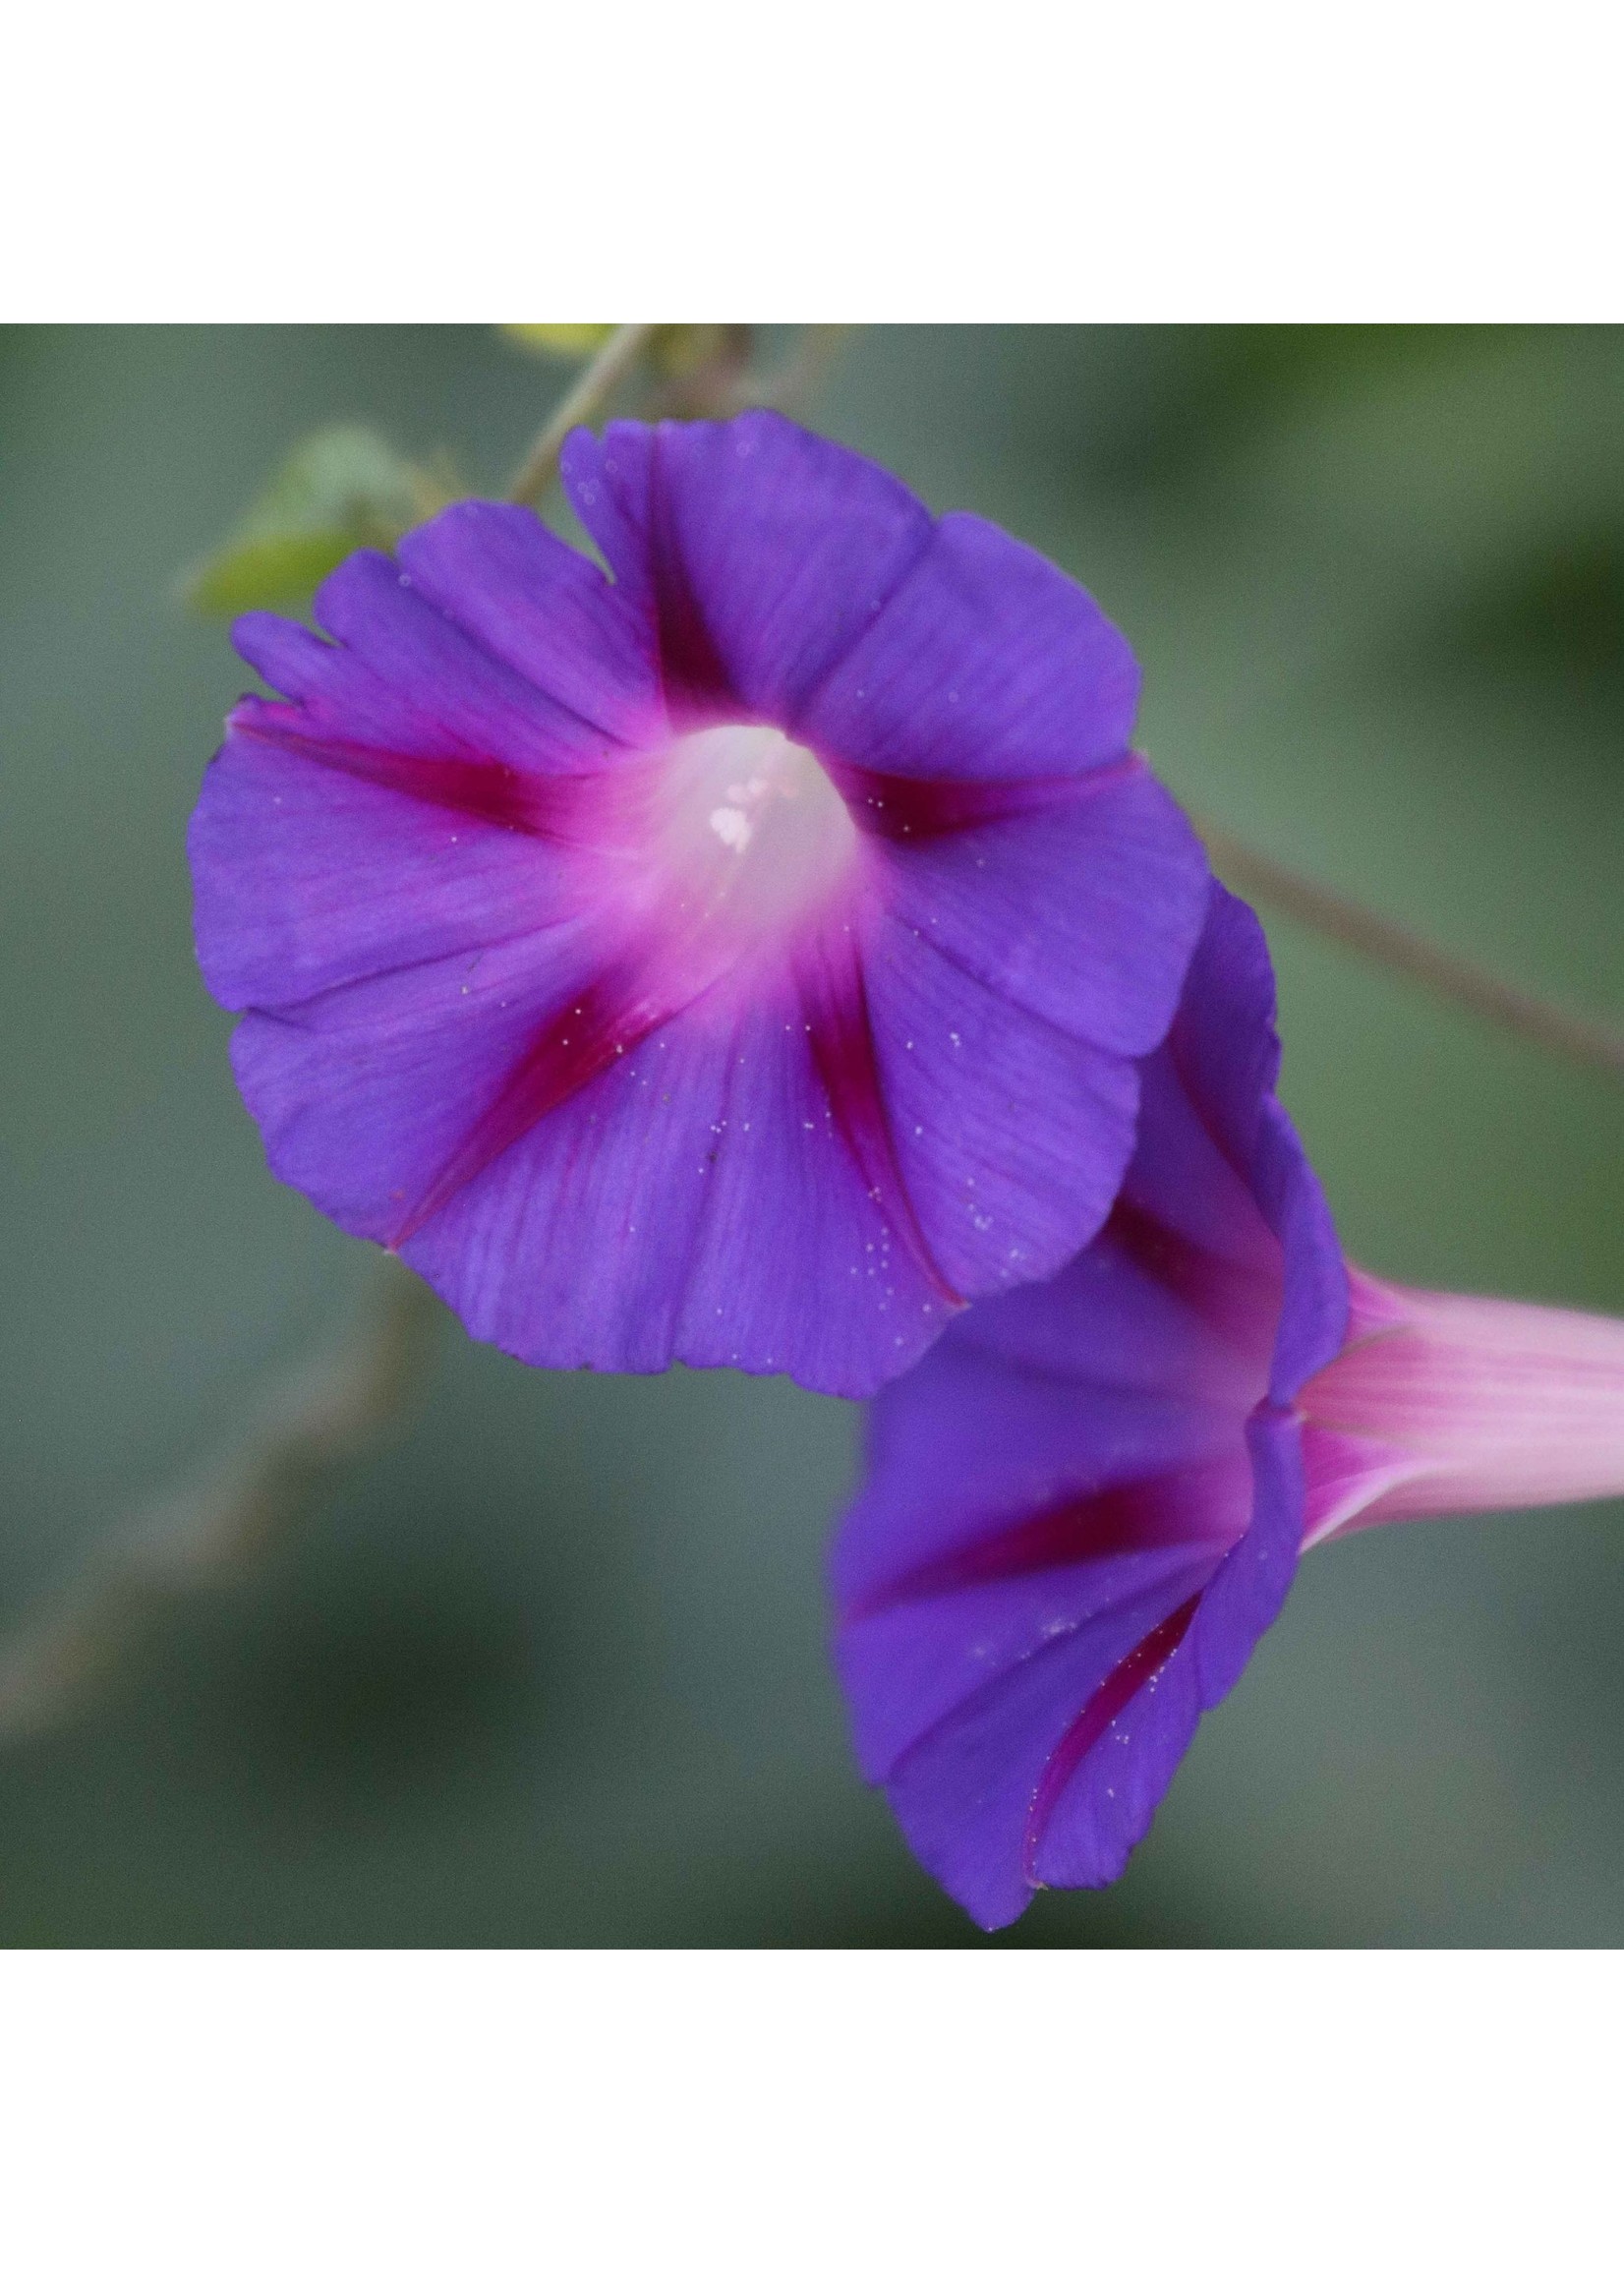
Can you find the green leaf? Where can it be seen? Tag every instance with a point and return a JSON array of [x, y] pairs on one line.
[[267, 572], [342, 488], [570, 342], [677, 348]]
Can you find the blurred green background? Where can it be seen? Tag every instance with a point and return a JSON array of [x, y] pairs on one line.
[[551, 1668]]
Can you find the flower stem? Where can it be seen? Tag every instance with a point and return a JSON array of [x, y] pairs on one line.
[[614, 362], [723, 383], [309, 1425], [1588, 1042]]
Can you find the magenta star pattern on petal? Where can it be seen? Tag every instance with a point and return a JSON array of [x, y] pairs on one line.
[[745, 960]]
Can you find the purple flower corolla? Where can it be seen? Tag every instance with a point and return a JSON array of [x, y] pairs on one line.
[[1087, 1503], [744, 961]]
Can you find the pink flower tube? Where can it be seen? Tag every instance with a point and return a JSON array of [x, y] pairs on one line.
[[1449, 1404]]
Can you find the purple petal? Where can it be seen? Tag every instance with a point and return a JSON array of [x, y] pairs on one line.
[[984, 662], [838, 1021], [1115, 1765], [964, 1791], [1222, 1044], [405, 677], [1184, 1181], [985, 1435], [1012, 1136], [493, 907], [760, 551], [365, 1091], [542, 609], [912, 1654], [1250, 1585], [596, 1026], [586, 1194], [309, 875], [1144, 1310], [1313, 1318], [1064, 1463], [1055, 1707], [1084, 911], [1223, 1057], [1083, 1509], [697, 1201]]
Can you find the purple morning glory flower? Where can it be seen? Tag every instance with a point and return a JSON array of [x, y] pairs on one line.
[[744, 961], [1086, 1504]]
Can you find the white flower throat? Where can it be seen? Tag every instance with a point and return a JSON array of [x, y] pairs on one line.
[[751, 829]]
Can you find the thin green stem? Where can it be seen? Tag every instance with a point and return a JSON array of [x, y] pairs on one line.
[[610, 367], [1588, 1042], [325, 1414]]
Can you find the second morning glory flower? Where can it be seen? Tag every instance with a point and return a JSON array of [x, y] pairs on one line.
[[1087, 1503], [745, 960]]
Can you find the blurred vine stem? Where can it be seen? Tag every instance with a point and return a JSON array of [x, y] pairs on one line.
[[1588, 1042], [304, 1428], [583, 403], [724, 381], [329, 1410]]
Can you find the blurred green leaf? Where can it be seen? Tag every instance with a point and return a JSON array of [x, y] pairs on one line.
[[570, 342], [678, 350], [340, 489], [267, 572]]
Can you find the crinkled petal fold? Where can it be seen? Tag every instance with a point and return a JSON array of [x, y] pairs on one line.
[[399, 672]]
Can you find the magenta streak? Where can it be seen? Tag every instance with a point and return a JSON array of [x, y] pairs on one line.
[[1120, 1687], [904, 808], [690, 666], [1115, 1520], [606, 1021], [1214, 1288], [546, 805], [835, 1003]]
